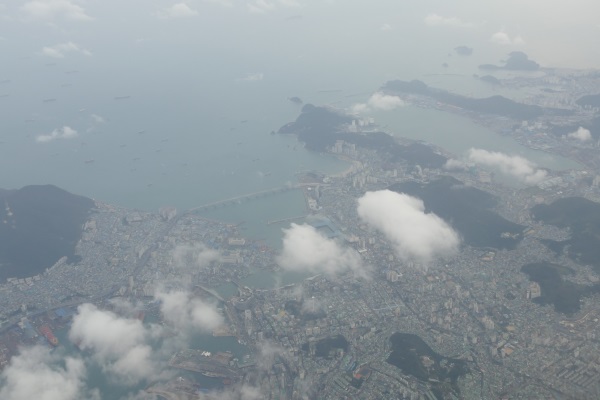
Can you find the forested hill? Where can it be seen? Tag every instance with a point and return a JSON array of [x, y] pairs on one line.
[[39, 225]]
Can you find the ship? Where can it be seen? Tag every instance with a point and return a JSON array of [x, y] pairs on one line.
[[47, 332], [90, 161]]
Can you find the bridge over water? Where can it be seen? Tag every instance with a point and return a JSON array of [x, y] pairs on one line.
[[251, 196]]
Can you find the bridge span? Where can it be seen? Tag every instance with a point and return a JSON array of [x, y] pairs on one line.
[[250, 196]]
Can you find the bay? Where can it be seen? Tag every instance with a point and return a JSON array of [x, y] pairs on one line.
[[457, 134]]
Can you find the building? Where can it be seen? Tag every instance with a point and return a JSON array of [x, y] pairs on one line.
[[392, 276]]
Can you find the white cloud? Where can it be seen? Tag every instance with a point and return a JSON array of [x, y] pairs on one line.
[[454, 165], [581, 134], [253, 77], [117, 344], [360, 108], [267, 355], [60, 50], [385, 102], [178, 10], [240, 391], [49, 9], [194, 257], [438, 20], [61, 133], [224, 3], [386, 27], [289, 3], [98, 119], [518, 167], [264, 6], [379, 101], [135, 365], [305, 249], [261, 6], [36, 374], [187, 313], [414, 234], [502, 38], [518, 41]]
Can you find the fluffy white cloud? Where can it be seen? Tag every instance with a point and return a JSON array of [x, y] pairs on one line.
[[438, 20], [581, 134], [118, 344], [241, 391], [62, 133], [193, 257], [36, 374], [49, 9], [504, 39], [253, 77], [289, 3], [415, 234], [178, 10], [455, 165], [360, 108], [378, 101], [264, 6], [518, 167], [187, 313], [224, 3], [305, 249], [385, 102], [60, 50], [135, 365], [98, 119], [261, 6]]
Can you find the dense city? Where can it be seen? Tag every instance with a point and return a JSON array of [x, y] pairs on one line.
[[460, 325]]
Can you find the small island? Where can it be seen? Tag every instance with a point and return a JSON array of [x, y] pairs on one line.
[[490, 79], [463, 50], [295, 100], [517, 61]]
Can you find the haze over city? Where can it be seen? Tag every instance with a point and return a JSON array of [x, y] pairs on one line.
[[299, 199]]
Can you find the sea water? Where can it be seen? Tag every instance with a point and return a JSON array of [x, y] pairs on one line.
[[187, 139]]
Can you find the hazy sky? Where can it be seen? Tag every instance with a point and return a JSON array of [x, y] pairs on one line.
[[553, 32], [188, 63]]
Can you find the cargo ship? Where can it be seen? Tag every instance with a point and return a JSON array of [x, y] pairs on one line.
[[47, 332]]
